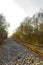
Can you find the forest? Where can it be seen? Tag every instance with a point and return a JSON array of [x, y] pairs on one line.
[[31, 30], [3, 29]]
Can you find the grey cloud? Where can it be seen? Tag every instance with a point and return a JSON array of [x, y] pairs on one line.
[[30, 6]]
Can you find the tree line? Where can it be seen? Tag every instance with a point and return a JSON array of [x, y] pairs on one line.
[[31, 29], [3, 29]]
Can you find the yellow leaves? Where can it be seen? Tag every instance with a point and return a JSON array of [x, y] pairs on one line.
[[14, 33], [21, 36]]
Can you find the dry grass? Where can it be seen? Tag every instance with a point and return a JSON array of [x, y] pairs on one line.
[[32, 48]]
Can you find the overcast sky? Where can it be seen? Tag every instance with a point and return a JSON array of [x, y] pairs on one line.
[[16, 10], [30, 6]]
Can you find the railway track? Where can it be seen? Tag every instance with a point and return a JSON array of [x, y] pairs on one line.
[[12, 53]]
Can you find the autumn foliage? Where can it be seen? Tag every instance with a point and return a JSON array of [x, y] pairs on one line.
[[31, 30]]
